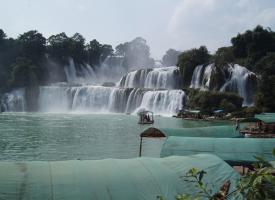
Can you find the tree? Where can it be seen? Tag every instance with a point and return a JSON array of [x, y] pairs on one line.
[[171, 57], [121, 49], [208, 101], [77, 48], [33, 45], [24, 73], [97, 52], [58, 47], [266, 89], [106, 50], [223, 56], [136, 53], [2, 36], [188, 60], [253, 45]]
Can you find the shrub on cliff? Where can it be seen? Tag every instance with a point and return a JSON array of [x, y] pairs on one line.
[[188, 60], [266, 89], [208, 101]]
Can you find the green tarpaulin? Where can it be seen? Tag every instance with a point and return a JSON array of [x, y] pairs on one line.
[[266, 117], [235, 151], [211, 131], [110, 179]]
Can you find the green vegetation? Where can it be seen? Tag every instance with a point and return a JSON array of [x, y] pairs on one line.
[[136, 53], [188, 60], [208, 101], [170, 58], [253, 49], [31, 60], [256, 184]]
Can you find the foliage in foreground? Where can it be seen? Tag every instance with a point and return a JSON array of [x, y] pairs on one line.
[[256, 184]]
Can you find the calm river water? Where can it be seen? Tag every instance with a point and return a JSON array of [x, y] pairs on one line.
[[40, 136]]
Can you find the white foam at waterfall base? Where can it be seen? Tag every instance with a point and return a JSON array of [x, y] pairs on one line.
[[99, 99], [53, 99]]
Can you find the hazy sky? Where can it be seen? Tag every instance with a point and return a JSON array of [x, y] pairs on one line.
[[179, 24]]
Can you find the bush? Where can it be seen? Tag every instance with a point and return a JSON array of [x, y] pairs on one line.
[[227, 106], [208, 101], [188, 60]]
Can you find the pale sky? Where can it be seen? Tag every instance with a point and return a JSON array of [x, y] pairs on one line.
[[178, 24]]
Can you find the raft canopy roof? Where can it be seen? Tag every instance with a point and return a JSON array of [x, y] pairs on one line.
[[211, 131], [218, 111], [192, 111], [111, 179], [235, 151], [268, 118], [144, 112]]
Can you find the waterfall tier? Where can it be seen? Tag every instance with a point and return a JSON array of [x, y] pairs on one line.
[[13, 101], [162, 77], [235, 78], [99, 99], [201, 77]]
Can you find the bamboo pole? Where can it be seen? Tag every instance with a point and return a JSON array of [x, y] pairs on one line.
[[140, 146]]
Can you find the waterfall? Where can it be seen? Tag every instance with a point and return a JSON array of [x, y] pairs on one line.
[[207, 76], [166, 102], [159, 78], [99, 99], [238, 82], [84, 74], [196, 77], [150, 88], [14, 101], [201, 77]]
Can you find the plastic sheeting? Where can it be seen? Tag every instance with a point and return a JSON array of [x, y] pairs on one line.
[[116, 179], [266, 117], [211, 131], [235, 151]]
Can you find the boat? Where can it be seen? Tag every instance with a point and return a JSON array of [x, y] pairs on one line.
[[146, 117], [262, 127]]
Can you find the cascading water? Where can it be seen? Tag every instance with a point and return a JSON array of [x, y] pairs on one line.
[[201, 77], [14, 101], [238, 80], [196, 77], [163, 102], [82, 92], [160, 78], [99, 99], [84, 75]]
